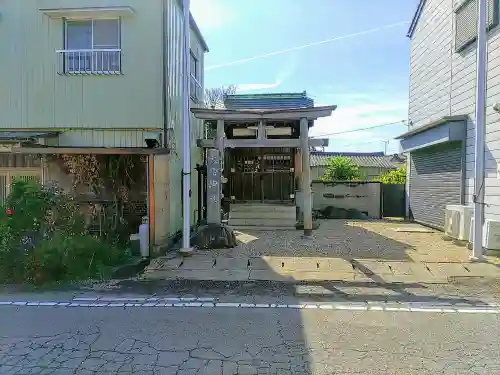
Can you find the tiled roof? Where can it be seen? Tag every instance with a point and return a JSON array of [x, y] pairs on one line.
[[362, 159], [269, 101], [269, 95]]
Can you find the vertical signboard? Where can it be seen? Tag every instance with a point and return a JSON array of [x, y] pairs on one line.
[[213, 187]]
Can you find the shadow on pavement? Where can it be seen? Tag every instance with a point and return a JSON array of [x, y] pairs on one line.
[[334, 238], [306, 291]]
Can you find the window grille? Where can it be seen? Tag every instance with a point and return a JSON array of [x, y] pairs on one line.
[[466, 16]]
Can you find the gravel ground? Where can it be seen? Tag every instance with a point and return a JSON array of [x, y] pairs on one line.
[[350, 239]]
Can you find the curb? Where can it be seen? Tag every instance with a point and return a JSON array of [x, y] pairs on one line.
[[131, 269]]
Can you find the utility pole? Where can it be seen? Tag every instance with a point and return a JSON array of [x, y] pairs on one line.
[[386, 143], [478, 198], [186, 147]]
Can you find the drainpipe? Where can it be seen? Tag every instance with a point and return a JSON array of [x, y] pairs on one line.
[[478, 198], [186, 132]]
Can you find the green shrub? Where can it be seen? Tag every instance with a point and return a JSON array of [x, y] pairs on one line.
[[396, 176], [64, 258], [45, 239], [341, 168], [12, 259]]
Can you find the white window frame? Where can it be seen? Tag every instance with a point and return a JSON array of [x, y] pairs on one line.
[[92, 21], [93, 52], [195, 81], [196, 62]]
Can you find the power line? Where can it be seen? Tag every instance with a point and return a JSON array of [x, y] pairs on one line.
[[335, 146], [280, 52], [360, 143], [402, 122]]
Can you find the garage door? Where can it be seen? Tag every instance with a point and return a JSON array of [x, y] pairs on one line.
[[435, 181]]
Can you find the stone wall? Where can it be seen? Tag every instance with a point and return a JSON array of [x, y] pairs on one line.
[[361, 196]]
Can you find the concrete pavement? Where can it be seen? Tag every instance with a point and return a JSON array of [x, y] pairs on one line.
[[340, 250], [229, 341], [208, 266]]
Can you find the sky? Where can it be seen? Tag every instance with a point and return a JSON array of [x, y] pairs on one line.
[[349, 53]]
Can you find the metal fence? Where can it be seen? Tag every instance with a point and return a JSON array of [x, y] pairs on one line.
[[8, 176], [393, 200]]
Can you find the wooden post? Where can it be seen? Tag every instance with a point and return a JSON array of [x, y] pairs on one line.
[[260, 130], [298, 169], [306, 177], [297, 185], [220, 137]]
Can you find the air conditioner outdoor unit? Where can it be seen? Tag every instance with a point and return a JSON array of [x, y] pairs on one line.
[[457, 221], [492, 234]]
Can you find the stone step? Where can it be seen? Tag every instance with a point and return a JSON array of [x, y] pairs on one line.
[[262, 208], [252, 228], [263, 222], [283, 215]]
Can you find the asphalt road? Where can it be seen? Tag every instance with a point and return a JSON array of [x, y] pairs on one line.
[[230, 341]]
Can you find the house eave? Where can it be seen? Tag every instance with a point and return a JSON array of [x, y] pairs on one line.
[[22, 136], [44, 150], [416, 18], [194, 27], [88, 12], [433, 124], [197, 31], [447, 129]]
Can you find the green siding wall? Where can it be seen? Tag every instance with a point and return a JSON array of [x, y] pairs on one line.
[[106, 138], [173, 76], [105, 111], [33, 95], [173, 18], [196, 126]]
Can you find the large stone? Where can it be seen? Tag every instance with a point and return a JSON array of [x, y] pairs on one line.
[[214, 236], [332, 212]]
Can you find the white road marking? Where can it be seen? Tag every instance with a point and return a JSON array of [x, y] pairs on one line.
[[247, 305], [225, 304], [350, 307], [212, 302], [483, 311]]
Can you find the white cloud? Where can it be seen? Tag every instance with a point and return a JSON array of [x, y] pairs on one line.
[[256, 86], [209, 14]]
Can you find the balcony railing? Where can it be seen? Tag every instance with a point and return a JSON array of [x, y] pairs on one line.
[[195, 89], [89, 61]]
